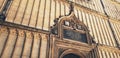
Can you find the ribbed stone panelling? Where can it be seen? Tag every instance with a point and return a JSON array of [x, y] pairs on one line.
[[52, 12], [41, 14], [112, 9], [116, 27], [28, 12], [12, 12], [36, 13], [40, 19], [20, 12], [47, 15], [43, 50], [17, 43], [2, 3], [10, 43], [99, 27], [36, 46], [28, 45], [4, 33], [118, 55], [117, 11], [106, 53]]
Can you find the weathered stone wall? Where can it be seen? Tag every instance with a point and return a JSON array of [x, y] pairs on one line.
[[17, 43], [102, 21]]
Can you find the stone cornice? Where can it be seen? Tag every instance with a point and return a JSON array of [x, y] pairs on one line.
[[13, 25]]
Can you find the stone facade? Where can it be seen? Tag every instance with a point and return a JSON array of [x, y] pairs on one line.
[[36, 28]]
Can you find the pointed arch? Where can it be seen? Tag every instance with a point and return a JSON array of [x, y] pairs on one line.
[[70, 27]]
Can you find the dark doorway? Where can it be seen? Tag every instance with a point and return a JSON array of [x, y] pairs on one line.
[[71, 56]]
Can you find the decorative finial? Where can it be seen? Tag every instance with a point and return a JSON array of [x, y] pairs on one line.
[[71, 7]]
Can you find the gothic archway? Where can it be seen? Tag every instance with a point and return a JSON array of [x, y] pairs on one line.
[[71, 55]]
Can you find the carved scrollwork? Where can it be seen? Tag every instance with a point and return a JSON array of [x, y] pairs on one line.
[[70, 27]]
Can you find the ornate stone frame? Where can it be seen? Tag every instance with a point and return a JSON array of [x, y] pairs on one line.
[[72, 51], [69, 46], [73, 18]]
